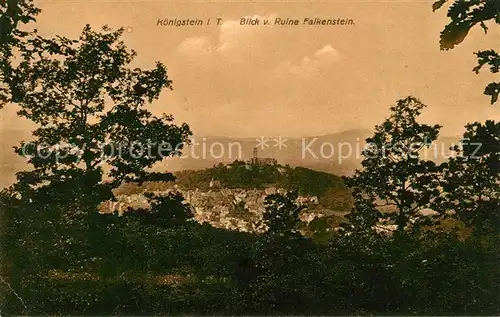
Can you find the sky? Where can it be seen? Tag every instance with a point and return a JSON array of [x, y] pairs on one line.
[[243, 81]]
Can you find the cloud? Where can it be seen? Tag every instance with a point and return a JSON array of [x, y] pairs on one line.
[[237, 44], [195, 45], [311, 64], [327, 51], [237, 37], [233, 39], [256, 73]]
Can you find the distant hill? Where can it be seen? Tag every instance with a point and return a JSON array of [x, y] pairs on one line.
[[313, 152], [328, 188], [258, 176], [338, 153]]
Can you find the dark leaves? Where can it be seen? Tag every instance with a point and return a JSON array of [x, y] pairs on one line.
[[464, 15], [471, 180], [281, 216], [12, 13], [394, 174], [493, 89], [489, 57], [438, 4], [90, 107]]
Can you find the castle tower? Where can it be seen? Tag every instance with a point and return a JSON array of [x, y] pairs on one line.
[[255, 157]]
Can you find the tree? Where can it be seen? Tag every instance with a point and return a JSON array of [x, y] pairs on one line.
[[464, 15], [91, 111], [12, 14], [471, 179], [281, 216], [338, 199], [166, 211], [394, 175], [90, 108], [359, 231], [280, 258]]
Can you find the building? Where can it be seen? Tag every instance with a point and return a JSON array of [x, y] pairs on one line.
[[256, 160], [214, 183]]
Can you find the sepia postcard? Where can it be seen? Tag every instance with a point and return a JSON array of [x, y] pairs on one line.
[[249, 157]]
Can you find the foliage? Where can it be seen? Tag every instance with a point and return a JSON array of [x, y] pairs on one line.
[[359, 231], [322, 229], [65, 86], [242, 175], [338, 199], [471, 179], [166, 210], [394, 174], [13, 13], [464, 15], [281, 216], [311, 183], [89, 106], [136, 266], [61, 257]]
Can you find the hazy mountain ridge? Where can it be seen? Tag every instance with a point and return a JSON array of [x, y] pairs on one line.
[[306, 152], [314, 152]]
